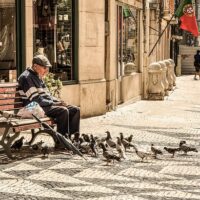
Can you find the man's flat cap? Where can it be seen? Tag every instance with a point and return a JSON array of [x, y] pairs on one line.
[[41, 60]]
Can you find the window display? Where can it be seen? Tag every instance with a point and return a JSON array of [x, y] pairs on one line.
[[53, 35], [127, 37], [7, 41]]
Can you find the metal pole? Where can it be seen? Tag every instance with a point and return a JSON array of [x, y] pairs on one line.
[[161, 35]]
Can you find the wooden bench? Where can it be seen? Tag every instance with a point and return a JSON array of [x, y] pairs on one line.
[[10, 101]]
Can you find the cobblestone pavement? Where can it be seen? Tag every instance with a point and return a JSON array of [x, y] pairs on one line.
[[163, 123]]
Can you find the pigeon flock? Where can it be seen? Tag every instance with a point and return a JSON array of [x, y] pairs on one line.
[[111, 150]]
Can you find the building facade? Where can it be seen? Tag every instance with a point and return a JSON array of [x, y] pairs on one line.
[[186, 44], [99, 49]]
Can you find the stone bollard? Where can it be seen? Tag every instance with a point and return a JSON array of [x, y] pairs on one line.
[[129, 68], [173, 72], [155, 84], [170, 77], [164, 77]]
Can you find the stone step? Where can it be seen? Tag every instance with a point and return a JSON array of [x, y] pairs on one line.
[[187, 50], [191, 64], [188, 70], [187, 64]]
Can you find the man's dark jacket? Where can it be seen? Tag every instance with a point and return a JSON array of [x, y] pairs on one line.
[[32, 88]]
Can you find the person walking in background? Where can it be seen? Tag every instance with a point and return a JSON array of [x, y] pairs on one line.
[[197, 64]]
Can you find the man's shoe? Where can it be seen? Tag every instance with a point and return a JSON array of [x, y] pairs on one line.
[[195, 78]]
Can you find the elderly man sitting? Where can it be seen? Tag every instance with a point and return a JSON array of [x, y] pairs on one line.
[[32, 88]]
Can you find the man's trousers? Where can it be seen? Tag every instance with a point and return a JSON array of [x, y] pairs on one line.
[[67, 118]]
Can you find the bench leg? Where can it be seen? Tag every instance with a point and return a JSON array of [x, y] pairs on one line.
[[7, 150], [6, 142], [35, 134]]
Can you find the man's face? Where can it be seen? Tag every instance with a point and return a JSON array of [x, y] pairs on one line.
[[41, 70]]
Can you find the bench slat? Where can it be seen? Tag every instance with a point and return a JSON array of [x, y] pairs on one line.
[[8, 90], [8, 85], [17, 122], [23, 125], [10, 96], [10, 101], [11, 106]]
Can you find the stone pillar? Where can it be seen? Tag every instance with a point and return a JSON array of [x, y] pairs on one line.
[[164, 77], [170, 77], [155, 84], [91, 51], [129, 68], [172, 68]]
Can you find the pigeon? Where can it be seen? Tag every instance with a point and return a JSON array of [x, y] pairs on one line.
[[109, 140], [93, 145], [17, 145], [84, 146], [143, 155], [183, 147], [171, 150], [37, 146], [86, 137], [103, 139], [8, 137], [76, 141], [130, 138], [125, 143], [45, 151], [120, 148], [108, 155], [182, 142], [155, 150], [97, 140], [76, 137]]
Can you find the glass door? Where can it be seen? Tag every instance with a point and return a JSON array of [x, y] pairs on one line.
[[7, 41]]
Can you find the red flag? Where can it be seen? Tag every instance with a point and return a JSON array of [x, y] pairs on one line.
[[186, 14]]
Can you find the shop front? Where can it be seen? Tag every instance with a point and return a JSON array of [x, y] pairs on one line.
[[95, 47], [124, 45], [7, 41], [128, 27], [70, 33]]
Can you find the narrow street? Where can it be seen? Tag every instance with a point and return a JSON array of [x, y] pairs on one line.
[[162, 123]]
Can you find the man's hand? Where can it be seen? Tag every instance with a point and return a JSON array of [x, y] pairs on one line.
[[60, 103], [63, 103]]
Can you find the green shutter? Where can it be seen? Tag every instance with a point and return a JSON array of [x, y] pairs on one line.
[[127, 12]]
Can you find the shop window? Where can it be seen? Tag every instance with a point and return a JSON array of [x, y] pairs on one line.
[[127, 33], [53, 35], [7, 41]]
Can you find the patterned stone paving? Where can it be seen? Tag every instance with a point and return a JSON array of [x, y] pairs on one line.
[[120, 197], [163, 123]]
